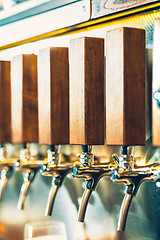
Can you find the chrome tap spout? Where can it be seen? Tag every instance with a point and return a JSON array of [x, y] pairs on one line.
[[58, 172], [23, 194], [6, 170], [28, 179], [6, 173], [132, 182], [51, 199], [92, 175], [125, 206], [85, 199], [30, 168], [132, 176]]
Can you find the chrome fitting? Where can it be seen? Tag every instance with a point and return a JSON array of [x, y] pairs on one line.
[[53, 157], [3, 153], [126, 162], [86, 159], [25, 155], [114, 175]]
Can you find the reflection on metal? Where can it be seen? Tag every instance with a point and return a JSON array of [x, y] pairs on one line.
[[106, 7]]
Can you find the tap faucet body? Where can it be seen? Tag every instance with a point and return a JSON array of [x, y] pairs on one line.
[[29, 167], [86, 169], [6, 169], [92, 175], [132, 176], [58, 171]]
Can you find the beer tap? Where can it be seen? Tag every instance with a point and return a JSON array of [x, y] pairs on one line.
[[132, 176], [126, 96], [29, 166], [86, 57], [53, 91], [58, 171], [24, 99], [92, 173]]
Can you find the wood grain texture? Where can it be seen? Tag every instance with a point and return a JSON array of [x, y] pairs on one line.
[[24, 98], [156, 85], [5, 101], [125, 87], [53, 91], [87, 91]]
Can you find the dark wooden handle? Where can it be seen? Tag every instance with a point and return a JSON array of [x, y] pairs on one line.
[[53, 96], [5, 101], [24, 98]]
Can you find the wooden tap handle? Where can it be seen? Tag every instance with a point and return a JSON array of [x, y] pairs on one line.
[[125, 87], [24, 98], [5, 101], [53, 95], [86, 58]]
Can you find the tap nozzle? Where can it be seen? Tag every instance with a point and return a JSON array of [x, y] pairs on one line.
[[58, 173]]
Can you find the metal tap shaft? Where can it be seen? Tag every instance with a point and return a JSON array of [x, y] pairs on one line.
[[85, 199], [51, 200], [23, 194], [28, 179], [3, 183], [124, 212]]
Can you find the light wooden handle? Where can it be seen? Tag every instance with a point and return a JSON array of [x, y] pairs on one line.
[[86, 58], [125, 87]]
